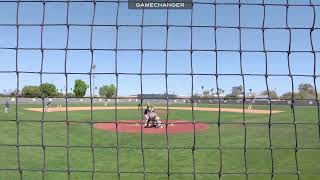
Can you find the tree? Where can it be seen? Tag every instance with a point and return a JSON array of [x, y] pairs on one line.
[[13, 93], [80, 88], [272, 94], [220, 91], [206, 93], [70, 94], [211, 90], [308, 88], [31, 91], [306, 91], [196, 95], [60, 95], [107, 91], [288, 95], [48, 90]]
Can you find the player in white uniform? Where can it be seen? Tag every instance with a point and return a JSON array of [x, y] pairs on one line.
[[251, 102], [7, 106]]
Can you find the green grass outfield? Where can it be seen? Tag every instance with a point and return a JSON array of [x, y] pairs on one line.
[[154, 158]]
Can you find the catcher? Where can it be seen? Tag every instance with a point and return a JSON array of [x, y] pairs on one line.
[[151, 118], [146, 111]]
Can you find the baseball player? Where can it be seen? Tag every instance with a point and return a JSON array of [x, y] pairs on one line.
[[105, 102], [145, 113], [251, 102], [250, 107], [48, 106], [292, 105], [7, 106], [153, 120]]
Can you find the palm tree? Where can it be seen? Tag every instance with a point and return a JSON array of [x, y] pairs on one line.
[[202, 87], [211, 90]]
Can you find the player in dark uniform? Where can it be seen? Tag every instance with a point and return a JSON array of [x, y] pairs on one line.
[[292, 105], [48, 106], [146, 111]]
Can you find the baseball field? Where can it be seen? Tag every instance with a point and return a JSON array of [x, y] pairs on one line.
[[232, 145]]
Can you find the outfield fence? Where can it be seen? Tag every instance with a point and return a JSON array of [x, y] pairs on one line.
[[136, 101]]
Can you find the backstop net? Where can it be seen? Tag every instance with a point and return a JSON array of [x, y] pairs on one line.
[[234, 83]]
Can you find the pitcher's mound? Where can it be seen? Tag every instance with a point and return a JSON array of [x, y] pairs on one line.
[[135, 126]]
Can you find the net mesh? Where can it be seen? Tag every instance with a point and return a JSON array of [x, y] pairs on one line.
[[167, 172]]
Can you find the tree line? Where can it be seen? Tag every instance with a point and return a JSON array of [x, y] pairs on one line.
[[305, 91], [79, 90]]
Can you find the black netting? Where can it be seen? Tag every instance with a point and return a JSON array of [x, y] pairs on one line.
[[218, 122]]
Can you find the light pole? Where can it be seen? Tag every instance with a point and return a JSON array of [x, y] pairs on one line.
[[93, 78]]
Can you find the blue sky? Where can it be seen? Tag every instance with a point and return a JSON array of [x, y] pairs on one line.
[[154, 38]]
